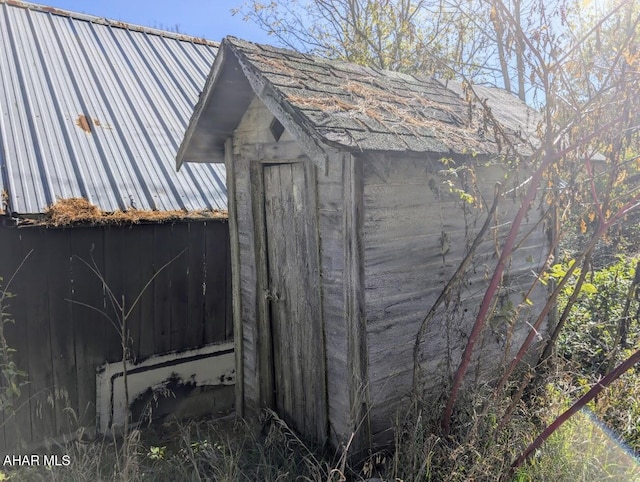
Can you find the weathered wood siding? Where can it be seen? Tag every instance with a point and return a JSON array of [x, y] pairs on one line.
[[416, 233], [253, 143], [331, 215], [391, 235], [61, 344]]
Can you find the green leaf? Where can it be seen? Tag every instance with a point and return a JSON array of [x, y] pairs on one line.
[[557, 271]]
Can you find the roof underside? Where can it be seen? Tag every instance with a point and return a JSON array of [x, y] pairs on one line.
[[226, 96], [350, 106], [97, 109]]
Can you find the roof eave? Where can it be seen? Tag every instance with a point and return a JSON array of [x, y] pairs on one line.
[[212, 121]]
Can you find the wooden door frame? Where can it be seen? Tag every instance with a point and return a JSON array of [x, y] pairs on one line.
[[264, 341]]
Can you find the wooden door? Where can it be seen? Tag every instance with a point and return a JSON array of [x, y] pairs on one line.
[[294, 299]]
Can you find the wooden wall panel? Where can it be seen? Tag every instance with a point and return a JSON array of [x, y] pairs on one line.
[[61, 325], [146, 313], [332, 259], [18, 421], [33, 276], [162, 254], [91, 328], [116, 275], [179, 293], [60, 336], [217, 299], [408, 261], [248, 280]]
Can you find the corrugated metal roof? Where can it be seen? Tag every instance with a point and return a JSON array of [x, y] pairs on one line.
[[97, 109]]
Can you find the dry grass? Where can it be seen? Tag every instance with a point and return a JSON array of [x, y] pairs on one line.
[[75, 211], [380, 106], [281, 67], [225, 450]]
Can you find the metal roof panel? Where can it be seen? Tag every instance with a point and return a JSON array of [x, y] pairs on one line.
[[97, 109]]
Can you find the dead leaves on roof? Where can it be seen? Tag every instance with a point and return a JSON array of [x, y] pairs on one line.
[[79, 211], [391, 111]]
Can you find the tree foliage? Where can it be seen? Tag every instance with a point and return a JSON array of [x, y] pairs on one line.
[[403, 35]]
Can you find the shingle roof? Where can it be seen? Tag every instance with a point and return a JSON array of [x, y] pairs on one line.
[[97, 109], [362, 108]]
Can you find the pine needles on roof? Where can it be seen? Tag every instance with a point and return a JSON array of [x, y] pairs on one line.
[[79, 211]]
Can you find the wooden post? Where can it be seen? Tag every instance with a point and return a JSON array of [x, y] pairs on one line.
[[235, 277]]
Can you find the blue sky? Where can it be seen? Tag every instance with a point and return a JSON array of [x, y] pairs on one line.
[[210, 19]]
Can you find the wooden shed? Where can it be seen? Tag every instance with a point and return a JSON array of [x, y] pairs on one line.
[[354, 195]]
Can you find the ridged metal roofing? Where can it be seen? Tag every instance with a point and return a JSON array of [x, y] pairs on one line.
[[97, 109]]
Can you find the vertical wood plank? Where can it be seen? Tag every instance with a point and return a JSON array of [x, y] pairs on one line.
[[236, 299], [162, 251], [263, 343], [296, 316], [147, 311], [34, 280], [277, 269], [197, 281], [62, 343], [315, 342], [58, 267], [228, 299], [18, 430], [5, 261], [248, 282], [216, 269], [179, 286], [115, 250], [130, 265], [90, 326], [357, 358]]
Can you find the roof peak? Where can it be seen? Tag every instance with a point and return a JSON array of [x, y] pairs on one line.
[[346, 106], [108, 22]]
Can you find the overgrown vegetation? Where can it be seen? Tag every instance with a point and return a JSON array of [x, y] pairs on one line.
[[12, 378], [225, 450], [578, 63], [602, 330], [478, 448]]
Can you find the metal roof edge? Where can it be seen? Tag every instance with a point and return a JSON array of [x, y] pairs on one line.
[[110, 23]]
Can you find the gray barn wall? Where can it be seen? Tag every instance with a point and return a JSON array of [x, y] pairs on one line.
[[407, 210], [60, 344]]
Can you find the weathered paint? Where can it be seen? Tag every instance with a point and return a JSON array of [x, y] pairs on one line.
[[209, 366]]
